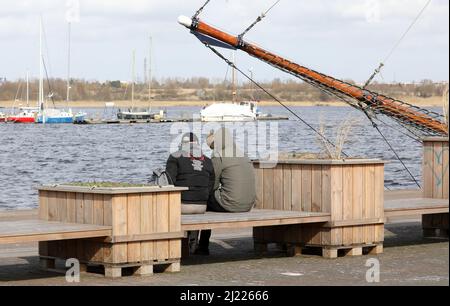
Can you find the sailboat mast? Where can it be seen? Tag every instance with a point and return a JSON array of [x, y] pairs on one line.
[[28, 88], [41, 74], [150, 76], [133, 79], [68, 62]]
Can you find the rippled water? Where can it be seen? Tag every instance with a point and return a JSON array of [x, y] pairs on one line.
[[35, 154]]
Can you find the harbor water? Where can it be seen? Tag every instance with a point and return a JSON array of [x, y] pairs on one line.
[[32, 154]]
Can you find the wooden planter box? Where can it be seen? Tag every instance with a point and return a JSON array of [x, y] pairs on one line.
[[145, 222], [435, 183], [352, 192]]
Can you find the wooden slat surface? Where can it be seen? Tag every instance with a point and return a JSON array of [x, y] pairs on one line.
[[415, 207], [39, 230], [255, 218]]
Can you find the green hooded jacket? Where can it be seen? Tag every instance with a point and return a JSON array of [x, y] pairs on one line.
[[234, 186]]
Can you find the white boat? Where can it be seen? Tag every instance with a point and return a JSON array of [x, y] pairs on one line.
[[230, 112]]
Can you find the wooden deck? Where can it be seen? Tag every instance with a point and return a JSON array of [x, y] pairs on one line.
[[36, 231], [255, 218], [408, 203]]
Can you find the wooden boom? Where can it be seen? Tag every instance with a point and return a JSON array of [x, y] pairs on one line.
[[405, 113]]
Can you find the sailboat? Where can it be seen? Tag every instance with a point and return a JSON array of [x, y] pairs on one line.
[[26, 114], [230, 111], [133, 113], [53, 115]]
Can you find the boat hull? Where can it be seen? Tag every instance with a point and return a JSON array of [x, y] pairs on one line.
[[20, 119]]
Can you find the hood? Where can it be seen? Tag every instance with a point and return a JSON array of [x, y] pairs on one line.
[[224, 144]]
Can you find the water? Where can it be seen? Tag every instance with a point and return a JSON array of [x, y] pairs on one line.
[[31, 155]]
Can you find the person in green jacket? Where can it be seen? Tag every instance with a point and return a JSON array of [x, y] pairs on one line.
[[234, 188]]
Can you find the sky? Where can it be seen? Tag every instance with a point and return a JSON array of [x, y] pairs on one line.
[[343, 38]]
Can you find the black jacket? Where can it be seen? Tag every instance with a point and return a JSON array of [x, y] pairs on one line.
[[197, 173]]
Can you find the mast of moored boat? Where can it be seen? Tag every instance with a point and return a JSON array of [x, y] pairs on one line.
[[133, 79], [69, 32], [28, 88], [150, 76], [41, 74]]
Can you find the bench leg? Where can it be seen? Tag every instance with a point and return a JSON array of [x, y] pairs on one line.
[[355, 252], [113, 272], [173, 268], [330, 253], [47, 263], [294, 250], [144, 270], [376, 250]]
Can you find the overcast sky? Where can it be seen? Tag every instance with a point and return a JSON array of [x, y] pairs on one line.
[[344, 38]]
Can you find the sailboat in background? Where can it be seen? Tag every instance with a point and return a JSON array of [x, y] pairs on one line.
[[26, 114], [231, 111], [53, 115], [134, 113]]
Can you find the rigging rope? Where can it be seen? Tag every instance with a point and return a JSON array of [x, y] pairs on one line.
[[393, 150], [232, 65], [389, 55], [259, 19]]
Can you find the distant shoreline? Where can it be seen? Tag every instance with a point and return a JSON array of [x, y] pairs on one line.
[[421, 102]]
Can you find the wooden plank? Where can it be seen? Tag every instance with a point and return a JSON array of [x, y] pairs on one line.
[[175, 224], [268, 198], [296, 188], [52, 206], [287, 187], [43, 205], [278, 187], [112, 190], [246, 220], [326, 202], [445, 170], [259, 187], [119, 225], [61, 202], [134, 226], [438, 168], [71, 208], [38, 230], [88, 216], [107, 221], [307, 188], [79, 203], [316, 201], [369, 202], [379, 201], [358, 202], [427, 169], [147, 248], [336, 202], [98, 219], [347, 205], [162, 224]]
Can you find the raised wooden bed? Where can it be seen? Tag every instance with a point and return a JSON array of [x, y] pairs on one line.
[[435, 183], [145, 223], [351, 191]]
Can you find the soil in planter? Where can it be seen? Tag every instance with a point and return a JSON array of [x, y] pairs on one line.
[[307, 156], [106, 185]]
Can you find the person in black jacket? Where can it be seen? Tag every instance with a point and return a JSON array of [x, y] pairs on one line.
[[189, 167]]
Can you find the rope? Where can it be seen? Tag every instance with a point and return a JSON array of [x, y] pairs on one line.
[[231, 64], [389, 55], [259, 19], [200, 10], [393, 150]]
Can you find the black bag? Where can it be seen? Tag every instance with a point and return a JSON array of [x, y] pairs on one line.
[[161, 178]]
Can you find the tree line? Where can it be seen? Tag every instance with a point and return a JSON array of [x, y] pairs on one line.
[[200, 89]]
